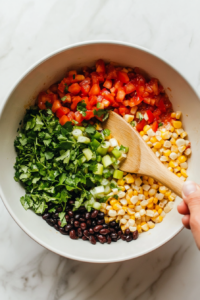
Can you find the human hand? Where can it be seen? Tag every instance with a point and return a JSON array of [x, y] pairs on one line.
[[190, 208]]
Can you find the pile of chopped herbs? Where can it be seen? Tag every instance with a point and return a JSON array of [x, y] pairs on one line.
[[52, 166]]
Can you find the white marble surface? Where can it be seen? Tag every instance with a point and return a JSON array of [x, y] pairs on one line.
[[30, 29]]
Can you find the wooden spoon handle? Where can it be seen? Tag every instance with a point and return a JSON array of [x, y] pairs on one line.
[[169, 179]]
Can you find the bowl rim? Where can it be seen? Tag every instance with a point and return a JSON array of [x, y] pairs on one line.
[[2, 107]]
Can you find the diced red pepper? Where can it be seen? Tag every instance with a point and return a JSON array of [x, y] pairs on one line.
[[75, 101], [89, 114], [108, 84], [154, 126], [123, 77], [141, 125], [100, 66], [78, 117], [74, 88], [63, 120], [120, 95], [129, 87], [150, 116], [95, 89], [56, 105], [71, 115], [161, 105]]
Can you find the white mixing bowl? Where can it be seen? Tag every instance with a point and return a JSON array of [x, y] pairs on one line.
[[53, 68]]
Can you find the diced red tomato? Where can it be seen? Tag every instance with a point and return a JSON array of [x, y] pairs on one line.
[[68, 99], [129, 87], [61, 111], [100, 66], [108, 84], [111, 72], [120, 95], [161, 105], [157, 114], [106, 103], [89, 115], [122, 110], [95, 89], [71, 115], [123, 77], [78, 117], [63, 120], [150, 116], [154, 126], [56, 105], [136, 100], [64, 83], [141, 125], [75, 101], [74, 88]]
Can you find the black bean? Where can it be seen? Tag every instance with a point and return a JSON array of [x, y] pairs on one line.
[[87, 215], [77, 216], [104, 231], [100, 215], [50, 222], [105, 226], [56, 227], [114, 240], [71, 202], [89, 223], [79, 232], [45, 216], [59, 209], [112, 224], [84, 238], [117, 228], [86, 233], [76, 223], [127, 231], [100, 222], [70, 213], [118, 237], [94, 214], [135, 235], [67, 218], [119, 233], [62, 231], [113, 235], [67, 208], [102, 239], [97, 228], [109, 240], [94, 223], [83, 226], [71, 221], [92, 239], [55, 216], [72, 234], [123, 237], [81, 219], [112, 230], [91, 231], [129, 237], [68, 227], [82, 209]]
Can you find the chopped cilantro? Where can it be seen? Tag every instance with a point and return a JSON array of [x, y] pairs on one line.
[[140, 116], [66, 88], [90, 129], [82, 108], [74, 76], [160, 124], [48, 104], [116, 197], [132, 123], [63, 98], [98, 105], [102, 113]]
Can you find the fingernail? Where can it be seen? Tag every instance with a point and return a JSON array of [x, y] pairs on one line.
[[189, 187]]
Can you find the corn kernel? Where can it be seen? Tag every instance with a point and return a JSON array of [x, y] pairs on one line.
[[153, 140], [155, 200], [160, 211], [184, 173], [108, 137], [172, 164], [145, 177], [129, 179], [165, 135], [135, 193], [143, 223], [146, 193], [116, 206], [142, 133], [167, 194], [177, 124], [112, 202], [171, 198], [145, 227], [151, 224], [172, 129], [130, 192], [179, 174], [162, 189], [173, 115], [133, 217], [122, 188], [131, 206], [182, 158], [183, 134], [146, 128], [157, 145], [106, 220], [150, 205], [141, 190], [159, 219], [121, 181], [110, 149], [157, 207], [167, 153], [139, 229], [124, 208]]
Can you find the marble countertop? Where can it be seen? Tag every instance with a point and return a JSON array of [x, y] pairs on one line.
[[30, 29]]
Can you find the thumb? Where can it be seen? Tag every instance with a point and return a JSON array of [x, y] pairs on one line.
[[191, 196]]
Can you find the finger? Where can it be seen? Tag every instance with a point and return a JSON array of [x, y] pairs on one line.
[[183, 208], [186, 221], [191, 196]]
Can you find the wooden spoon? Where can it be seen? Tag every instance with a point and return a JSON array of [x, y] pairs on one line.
[[140, 158]]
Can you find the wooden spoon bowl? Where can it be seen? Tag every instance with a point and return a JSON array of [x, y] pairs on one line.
[[140, 158]]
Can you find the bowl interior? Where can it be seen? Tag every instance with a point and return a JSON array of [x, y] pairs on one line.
[[53, 69]]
